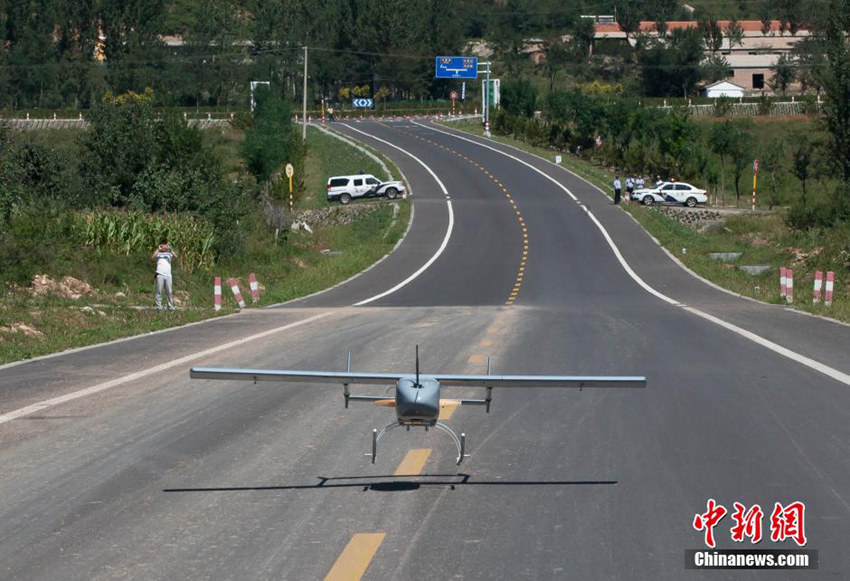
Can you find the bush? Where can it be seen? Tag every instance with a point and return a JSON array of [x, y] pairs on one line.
[[519, 97], [825, 215]]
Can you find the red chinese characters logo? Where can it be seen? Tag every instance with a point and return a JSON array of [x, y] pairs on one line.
[[708, 520], [747, 524], [789, 522], [786, 522]]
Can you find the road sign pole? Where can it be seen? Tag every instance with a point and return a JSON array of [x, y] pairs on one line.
[[290, 171], [755, 176]]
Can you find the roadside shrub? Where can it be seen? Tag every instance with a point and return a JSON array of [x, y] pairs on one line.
[[519, 97], [722, 106], [765, 105], [38, 235], [824, 215]]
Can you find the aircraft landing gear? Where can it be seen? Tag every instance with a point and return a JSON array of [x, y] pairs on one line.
[[460, 442]]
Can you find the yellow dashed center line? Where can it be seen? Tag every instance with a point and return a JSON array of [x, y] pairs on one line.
[[476, 358], [355, 558], [447, 409], [415, 459], [501, 186]]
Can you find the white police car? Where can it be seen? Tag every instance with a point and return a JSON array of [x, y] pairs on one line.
[[347, 188], [671, 193]]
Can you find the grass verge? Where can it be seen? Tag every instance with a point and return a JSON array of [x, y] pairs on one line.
[[762, 239]]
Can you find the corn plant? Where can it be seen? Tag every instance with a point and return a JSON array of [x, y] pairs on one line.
[[131, 232]]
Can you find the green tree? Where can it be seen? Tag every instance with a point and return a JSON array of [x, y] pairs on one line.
[[118, 146], [741, 152], [802, 164], [714, 68], [833, 75], [558, 57], [271, 140], [661, 11], [784, 73], [771, 168], [519, 97], [218, 57], [729, 141], [734, 33], [673, 67], [712, 35], [765, 16], [628, 16]]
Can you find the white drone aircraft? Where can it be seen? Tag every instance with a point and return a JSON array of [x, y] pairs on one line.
[[417, 397]]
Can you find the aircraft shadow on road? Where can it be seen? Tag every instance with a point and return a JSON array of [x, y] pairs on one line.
[[393, 483]]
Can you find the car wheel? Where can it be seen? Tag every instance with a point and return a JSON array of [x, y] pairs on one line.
[[344, 198], [691, 202], [392, 193], [647, 200]]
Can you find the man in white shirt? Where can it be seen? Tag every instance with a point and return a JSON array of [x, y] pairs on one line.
[[163, 256], [618, 190]]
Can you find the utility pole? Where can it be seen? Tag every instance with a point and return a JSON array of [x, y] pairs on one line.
[[485, 101], [304, 101]]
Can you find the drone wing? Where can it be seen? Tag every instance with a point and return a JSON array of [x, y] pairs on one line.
[[577, 381], [292, 376]]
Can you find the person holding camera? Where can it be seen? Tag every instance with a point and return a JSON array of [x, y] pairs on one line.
[[163, 256]]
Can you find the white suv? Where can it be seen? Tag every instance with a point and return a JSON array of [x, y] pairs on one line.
[[347, 188]]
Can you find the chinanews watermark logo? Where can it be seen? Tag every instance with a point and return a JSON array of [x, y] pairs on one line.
[[787, 523]]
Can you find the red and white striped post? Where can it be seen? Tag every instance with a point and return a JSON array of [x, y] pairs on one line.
[[235, 288], [830, 283], [255, 288], [783, 279], [818, 286], [217, 293], [789, 285]]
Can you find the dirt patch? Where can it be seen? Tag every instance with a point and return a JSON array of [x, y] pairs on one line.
[[68, 288], [298, 262], [756, 240], [23, 328], [181, 298], [801, 256]]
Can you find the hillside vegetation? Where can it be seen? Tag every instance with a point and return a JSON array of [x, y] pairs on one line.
[[82, 214]]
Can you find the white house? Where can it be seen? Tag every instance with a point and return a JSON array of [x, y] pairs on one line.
[[724, 89]]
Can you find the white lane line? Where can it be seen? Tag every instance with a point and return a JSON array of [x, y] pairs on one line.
[[36, 407], [449, 229], [775, 347]]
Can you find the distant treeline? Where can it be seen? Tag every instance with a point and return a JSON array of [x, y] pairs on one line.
[[67, 54]]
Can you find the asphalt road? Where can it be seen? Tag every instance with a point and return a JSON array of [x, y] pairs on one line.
[[158, 477]]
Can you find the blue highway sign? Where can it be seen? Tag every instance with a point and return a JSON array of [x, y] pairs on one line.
[[364, 103], [457, 67]]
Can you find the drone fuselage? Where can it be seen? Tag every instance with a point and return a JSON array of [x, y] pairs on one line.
[[417, 403]]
